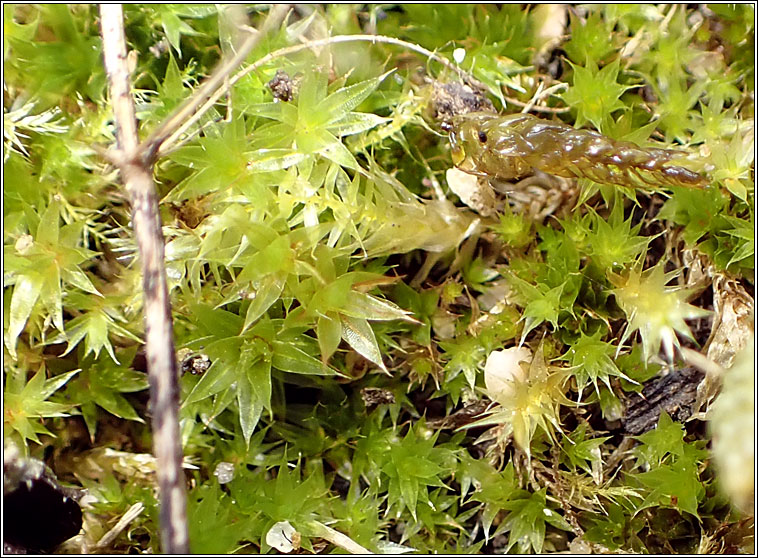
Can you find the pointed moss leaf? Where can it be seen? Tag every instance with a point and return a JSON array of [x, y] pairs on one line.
[[51, 296], [80, 279], [124, 378], [196, 184], [224, 353], [17, 31], [216, 322], [329, 334], [312, 92], [414, 464], [55, 383], [172, 87], [747, 250], [259, 235], [94, 327], [332, 297], [744, 233], [187, 156], [290, 358], [25, 406], [89, 414], [584, 454], [335, 151], [676, 485], [346, 99], [267, 293], [354, 123], [667, 437], [655, 309], [324, 257], [175, 28], [526, 523], [317, 140], [214, 522], [116, 405], [275, 111], [195, 11], [268, 160], [409, 491], [593, 361], [25, 295], [48, 228], [219, 377], [589, 40], [595, 93], [494, 489], [555, 519], [358, 334], [102, 384], [253, 392], [276, 256], [299, 28], [544, 308], [221, 402], [362, 305]]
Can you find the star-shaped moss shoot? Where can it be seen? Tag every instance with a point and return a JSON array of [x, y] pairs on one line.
[[654, 308]]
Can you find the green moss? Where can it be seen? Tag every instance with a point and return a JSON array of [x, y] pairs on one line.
[[346, 314]]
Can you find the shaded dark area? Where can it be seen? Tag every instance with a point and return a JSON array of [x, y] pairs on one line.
[[38, 513], [674, 393]]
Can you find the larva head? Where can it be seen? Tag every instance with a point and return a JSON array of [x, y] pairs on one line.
[[468, 140]]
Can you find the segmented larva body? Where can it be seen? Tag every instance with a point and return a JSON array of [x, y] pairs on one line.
[[508, 147]]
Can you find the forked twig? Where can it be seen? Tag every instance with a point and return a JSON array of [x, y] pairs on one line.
[[135, 161], [136, 174]]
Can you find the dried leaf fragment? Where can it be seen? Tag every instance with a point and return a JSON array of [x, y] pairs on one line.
[[475, 193]]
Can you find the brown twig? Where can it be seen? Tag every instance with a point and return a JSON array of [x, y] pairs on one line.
[[135, 161], [136, 174]]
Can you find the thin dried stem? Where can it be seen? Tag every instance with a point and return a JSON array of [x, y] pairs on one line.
[[136, 174], [537, 108], [338, 539], [188, 112], [541, 94], [131, 514], [215, 96], [135, 161]]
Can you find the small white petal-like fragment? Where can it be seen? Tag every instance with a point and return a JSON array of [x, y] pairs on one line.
[[24, 243], [224, 472], [459, 55], [503, 370], [281, 535]]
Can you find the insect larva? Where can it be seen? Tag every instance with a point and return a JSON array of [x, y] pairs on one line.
[[508, 147]]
